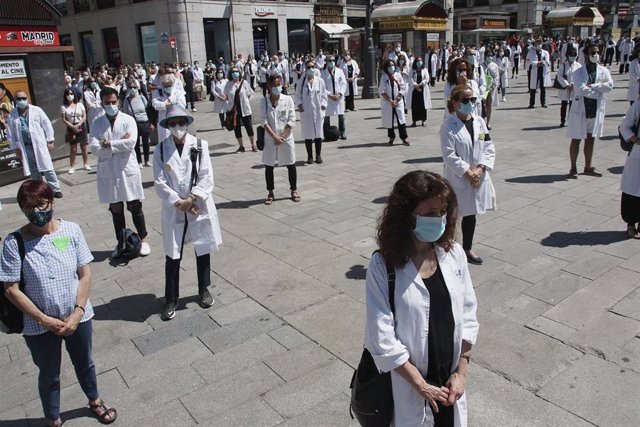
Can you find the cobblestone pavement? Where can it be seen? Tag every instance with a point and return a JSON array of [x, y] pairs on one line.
[[559, 304]]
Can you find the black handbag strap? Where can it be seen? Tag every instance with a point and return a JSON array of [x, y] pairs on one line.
[[16, 235], [391, 283]]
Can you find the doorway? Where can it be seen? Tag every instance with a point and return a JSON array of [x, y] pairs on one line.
[[112, 46], [265, 37]]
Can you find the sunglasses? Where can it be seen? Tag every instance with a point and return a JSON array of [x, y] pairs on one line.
[[21, 99], [472, 99], [177, 123]]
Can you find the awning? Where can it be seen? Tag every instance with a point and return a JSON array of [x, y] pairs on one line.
[[492, 30], [335, 31], [412, 15], [579, 16]]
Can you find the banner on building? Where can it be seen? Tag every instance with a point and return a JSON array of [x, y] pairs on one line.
[[29, 36]]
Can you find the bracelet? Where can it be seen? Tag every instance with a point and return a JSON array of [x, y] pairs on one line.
[[80, 307]]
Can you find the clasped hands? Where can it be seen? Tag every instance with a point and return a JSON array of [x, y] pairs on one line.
[[64, 327], [446, 395], [187, 205], [474, 175]]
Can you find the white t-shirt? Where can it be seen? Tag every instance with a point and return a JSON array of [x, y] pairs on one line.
[[73, 113]]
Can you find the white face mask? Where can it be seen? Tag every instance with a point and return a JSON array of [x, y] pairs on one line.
[[70, 98], [178, 131], [595, 58]]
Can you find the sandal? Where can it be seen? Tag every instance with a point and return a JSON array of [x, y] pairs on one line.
[[406, 142], [269, 200], [107, 416], [632, 232], [573, 173], [592, 172], [295, 196]]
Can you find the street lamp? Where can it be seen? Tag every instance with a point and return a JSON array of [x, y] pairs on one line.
[[370, 88]]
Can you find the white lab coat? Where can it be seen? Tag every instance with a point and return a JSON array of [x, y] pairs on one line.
[[158, 102], [245, 94], [395, 90], [424, 84], [356, 73], [630, 182], [173, 182], [118, 176], [504, 65], [394, 56], [459, 153], [312, 98], [93, 105], [320, 60], [626, 48], [278, 118], [432, 68], [565, 78], [217, 88], [493, 71], [577, 124], [443, 58], [634, 79], [335, 108], [516, 51], [394, 340], [41, 133], [532, 58]]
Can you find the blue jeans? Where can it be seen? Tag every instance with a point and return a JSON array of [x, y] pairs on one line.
[[49, 176], [46, 352]]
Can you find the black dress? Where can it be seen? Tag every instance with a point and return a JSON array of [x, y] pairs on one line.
[[440, 341], [418, 112]]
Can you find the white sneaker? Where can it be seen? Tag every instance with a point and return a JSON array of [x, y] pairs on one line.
[[141, 165], [71, 171], [87, 167], [194, 110], [504, 99], [145, 249]]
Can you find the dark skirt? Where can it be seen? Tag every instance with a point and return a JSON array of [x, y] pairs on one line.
[[630, 209], [418, 112]]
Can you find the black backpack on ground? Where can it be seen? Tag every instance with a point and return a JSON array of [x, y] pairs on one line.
[[130, 244], [10, 315], [331, 134]]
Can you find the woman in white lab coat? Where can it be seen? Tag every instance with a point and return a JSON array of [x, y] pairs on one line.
[[491, 72], [351, 70], [392, 90], [425, 340], [565, 78], [311, 99], [278, 116], [218, 83], [468, 154], [419, 96], [238, 91], [171, 94], [403, 67], [630, 184], [91, 96], [461, 72], [188, 212], [634, 76], [503, 67], [586, 119]]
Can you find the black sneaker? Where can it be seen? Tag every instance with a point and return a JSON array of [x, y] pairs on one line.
[[206, 300], [319, 160], [57, 195], [168, 311], [309, 160]]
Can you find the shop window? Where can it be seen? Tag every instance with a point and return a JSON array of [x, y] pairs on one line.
[[139, 1], [358, 2], [81, 6], [105, 4], [65, 40], [148, 42], [478, 3], [298, 1], [299, 35], [88, 55]]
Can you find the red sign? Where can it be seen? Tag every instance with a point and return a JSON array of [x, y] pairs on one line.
[[29, 36], [172, 42]]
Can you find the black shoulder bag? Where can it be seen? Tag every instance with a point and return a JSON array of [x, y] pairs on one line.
[[371, 392], [260, 129], [10, 315], [628, 145]]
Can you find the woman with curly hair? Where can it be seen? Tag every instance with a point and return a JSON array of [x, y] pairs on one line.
[[425, 339], [461, 73]]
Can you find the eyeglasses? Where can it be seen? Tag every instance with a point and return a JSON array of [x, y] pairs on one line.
[[40, 205], [21, 98], [177, 123], [109, 102], [472, 99]]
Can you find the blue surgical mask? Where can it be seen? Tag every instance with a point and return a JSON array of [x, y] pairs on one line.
[[95, 86], [418, 64], [133, 91], [235, 75], [22, 104], [391, 69], [572, 58], [111, 110], [471, 59], [168, 90], [311, 72], [466, 108], [331, 64], [276, 90], [430, 228], [40, 218]]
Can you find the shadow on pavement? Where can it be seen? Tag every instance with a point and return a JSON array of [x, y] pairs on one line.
[[370, 144], [563, 239], [537, 179], [610, 138], [611, 116], [373, 118], [356, 272], [541, 128], [423, 160], [133, 308], [243, 204], [617, 170], [381, 200], [147, 184], [99, 256], [65, 416]]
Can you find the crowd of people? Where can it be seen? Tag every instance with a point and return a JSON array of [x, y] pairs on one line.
[[115, 113]]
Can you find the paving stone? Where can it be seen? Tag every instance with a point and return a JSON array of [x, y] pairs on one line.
[[288, 337], [330, 413], [615, 284], [593, 267], [629, 306], [524, 252], [522, 309], [579, 309], [538, 268], [585, 389], [299, 361], [240, 332], [302, 393], [533, 359], [239, 388], [177, 332], [237, 310], [497, 291], [554, 289], [596, 337], [490, 270], [551, 328], [256, 412], [171, 414], [346, 273], [507, 239], [4, 355]]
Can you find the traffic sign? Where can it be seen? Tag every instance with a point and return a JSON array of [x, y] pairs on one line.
[[172, 42]]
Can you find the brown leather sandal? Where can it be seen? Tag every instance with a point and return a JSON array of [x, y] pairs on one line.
[[295, 196], [107, 416]]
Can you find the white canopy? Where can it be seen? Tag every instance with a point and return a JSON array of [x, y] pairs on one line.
[[577, 12], [335, 30]]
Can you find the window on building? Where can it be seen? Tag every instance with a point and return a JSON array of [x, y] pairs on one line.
[[148, 42], [299, 35], [81, 6], [217, 38], [65, 40], [358, 2], [105, 4], [88, 54], [61, 6], [112, 46]]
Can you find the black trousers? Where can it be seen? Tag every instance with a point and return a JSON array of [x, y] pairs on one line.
[[293, 177], [543, 91], [402, 128], [442, 74], [617, 56], [564, 110], [143, 137], [624, 68], [190, 97], [348, 100], [309, 146], [516, 66], [172, 275], [327, 124], [630, 209], [119, 223], [468, 229], [242, 121], [221, 116], [608, 58]]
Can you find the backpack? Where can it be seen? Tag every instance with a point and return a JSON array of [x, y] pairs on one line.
[[130, 244], [331, 134], [371, 392], [10, 315]]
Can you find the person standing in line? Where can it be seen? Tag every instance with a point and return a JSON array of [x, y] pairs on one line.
[[188, 78], [460, 73], [135, 105], [198, 80], [251, 72], [320, 60], [609, 52], [468, 154], [278, 116], [634, 76], [31, 137], [565, 78], [419, 96], [397, 53], [443, 61], [171, 94], [492, 72], [503, 67], [282, 68], [238, 91], [540, 76], [188, 212], [626, 48], [431, 65], [91, 96], [209, 76], [392, 90], [630, 182], [351, 70], [263, 73], [312, 100], [112, 140], [586, 118], [335, 83], [74, 117], [217, 94], [402, 67]]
